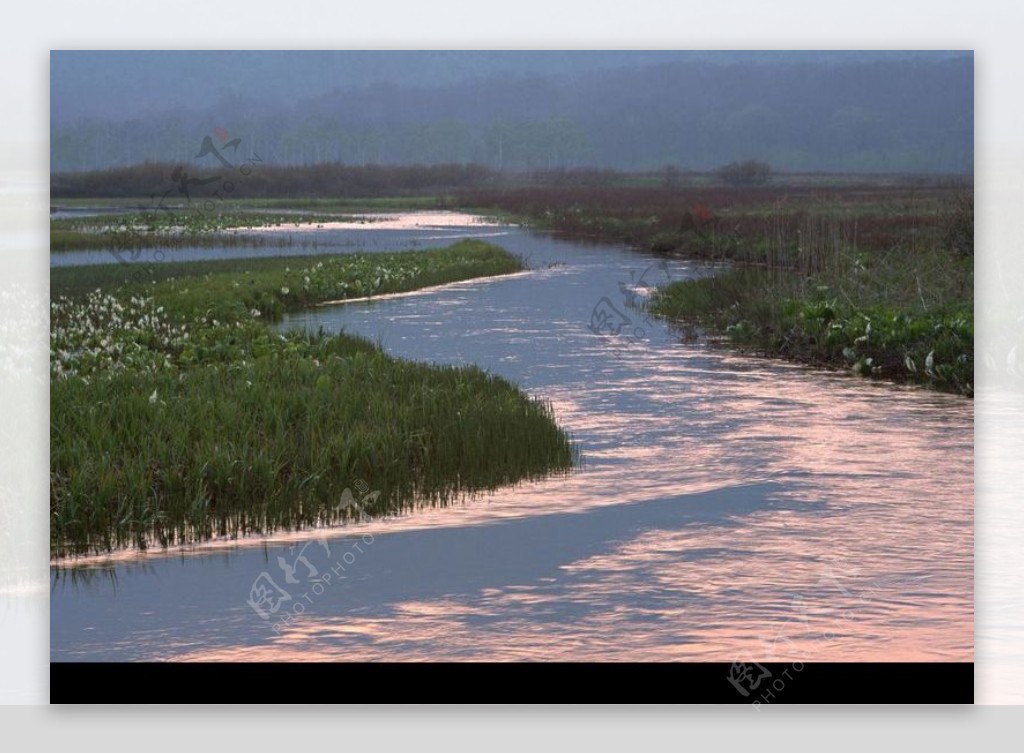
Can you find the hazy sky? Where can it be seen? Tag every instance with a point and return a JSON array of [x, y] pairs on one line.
[[120, 84]]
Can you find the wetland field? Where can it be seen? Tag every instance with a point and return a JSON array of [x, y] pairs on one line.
[[553, 424]]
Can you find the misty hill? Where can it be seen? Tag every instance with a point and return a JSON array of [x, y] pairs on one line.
[[899, 112]]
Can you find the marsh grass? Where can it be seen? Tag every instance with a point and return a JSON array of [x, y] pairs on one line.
[[269, 287], [177, 414], [177, 229], [877, 279], [271, 442], [904, 313], [77, 240], [258, 279]]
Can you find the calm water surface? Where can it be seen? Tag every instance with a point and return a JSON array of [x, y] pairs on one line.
[[727, 508]]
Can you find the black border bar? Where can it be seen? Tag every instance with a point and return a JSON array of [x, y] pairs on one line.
[[758, 685]]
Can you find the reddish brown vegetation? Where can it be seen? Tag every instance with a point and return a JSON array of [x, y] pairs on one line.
[[709, 219]]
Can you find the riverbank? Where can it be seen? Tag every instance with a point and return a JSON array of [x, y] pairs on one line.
[[813, 322], [878, 280], [178, 414]]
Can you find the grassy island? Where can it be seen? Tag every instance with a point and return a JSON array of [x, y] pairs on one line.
[[179, 414]]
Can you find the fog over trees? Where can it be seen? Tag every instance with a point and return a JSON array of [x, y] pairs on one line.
[[870, 112]]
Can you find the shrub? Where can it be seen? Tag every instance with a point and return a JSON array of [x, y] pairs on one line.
[[746, 173]]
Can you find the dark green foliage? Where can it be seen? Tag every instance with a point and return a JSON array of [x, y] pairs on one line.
[[784, 316], [270, 438]]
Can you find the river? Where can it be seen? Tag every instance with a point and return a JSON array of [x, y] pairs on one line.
[[727, 507]]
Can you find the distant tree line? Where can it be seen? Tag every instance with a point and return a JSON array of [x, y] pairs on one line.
[[746, 173], [901, 116], [176, 183]]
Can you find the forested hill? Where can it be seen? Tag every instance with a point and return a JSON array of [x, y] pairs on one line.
[[881, 113]]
